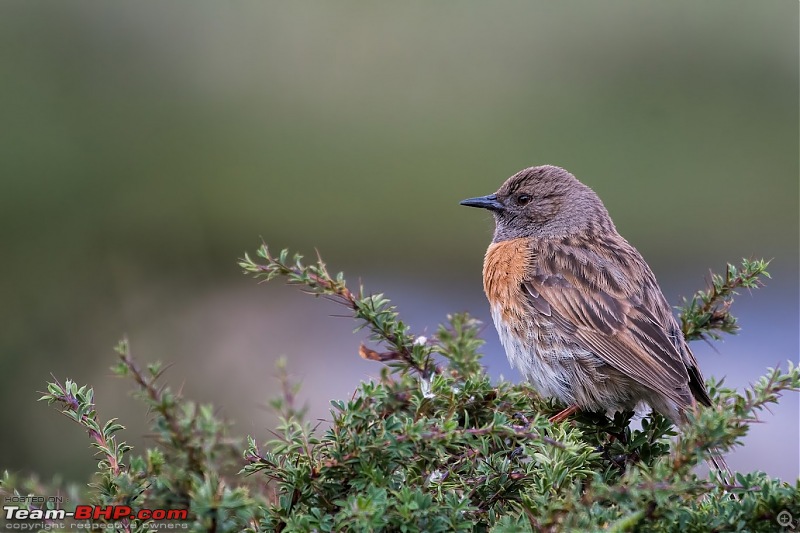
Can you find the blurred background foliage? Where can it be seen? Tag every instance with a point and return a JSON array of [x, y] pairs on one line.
[[145, 146]]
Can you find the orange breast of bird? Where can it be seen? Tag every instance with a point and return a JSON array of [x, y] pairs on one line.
[[504, 268]]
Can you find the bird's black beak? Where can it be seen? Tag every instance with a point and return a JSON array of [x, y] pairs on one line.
[[489, 202]]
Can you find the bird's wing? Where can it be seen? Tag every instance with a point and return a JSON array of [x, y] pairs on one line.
[[609, 318]]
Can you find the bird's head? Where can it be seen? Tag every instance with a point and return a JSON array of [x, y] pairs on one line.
[[545, 202]]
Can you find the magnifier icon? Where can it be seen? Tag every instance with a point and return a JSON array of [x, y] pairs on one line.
[[785, 519]]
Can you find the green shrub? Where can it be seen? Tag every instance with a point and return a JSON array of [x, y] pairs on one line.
[[434, 444]]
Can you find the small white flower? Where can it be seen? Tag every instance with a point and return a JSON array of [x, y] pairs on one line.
[[421, 340], [436, 476], [398, 478], [425, 387]]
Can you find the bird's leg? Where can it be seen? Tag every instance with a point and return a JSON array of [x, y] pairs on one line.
[[563, 415]]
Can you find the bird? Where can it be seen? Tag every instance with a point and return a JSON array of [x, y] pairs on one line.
[[577, 308]]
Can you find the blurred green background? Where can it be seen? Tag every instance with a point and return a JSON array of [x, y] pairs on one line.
[[145, 146]]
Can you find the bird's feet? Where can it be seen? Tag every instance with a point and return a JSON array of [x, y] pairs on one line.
[[563, 415]]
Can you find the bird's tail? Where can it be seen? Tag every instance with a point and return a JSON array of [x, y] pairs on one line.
[[718, 463], [715, 459]]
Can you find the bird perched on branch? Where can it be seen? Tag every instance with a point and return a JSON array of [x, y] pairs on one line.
[[577, 308]]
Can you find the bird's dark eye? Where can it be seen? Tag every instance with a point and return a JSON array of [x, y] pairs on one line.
[[523, 199]]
